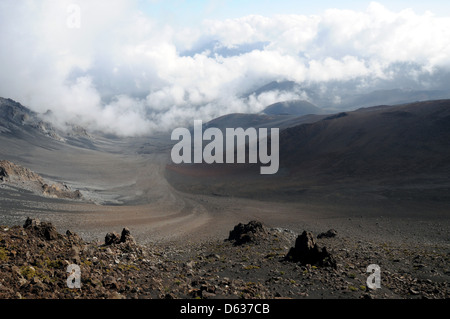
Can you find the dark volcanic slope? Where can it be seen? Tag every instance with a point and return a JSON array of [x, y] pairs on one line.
[[393, 147], [384, 141], [261, 120]]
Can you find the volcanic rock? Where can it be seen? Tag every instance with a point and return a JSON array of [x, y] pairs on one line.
[[3, 174], [18, 173], [114, 238], [251, 232], [306, 251], [111, 239], [126, 236], [329, 234], [41, 229]]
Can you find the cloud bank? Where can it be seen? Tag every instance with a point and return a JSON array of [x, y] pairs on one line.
[[110, 67]]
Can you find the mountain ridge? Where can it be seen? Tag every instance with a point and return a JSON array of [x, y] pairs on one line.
[[401, 145]]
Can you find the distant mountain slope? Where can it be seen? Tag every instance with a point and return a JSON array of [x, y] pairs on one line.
[[260, 120], [402, 145], [373, 142], [20, 122], [390, 97], [342, 97], [294, 107], [14, 116]]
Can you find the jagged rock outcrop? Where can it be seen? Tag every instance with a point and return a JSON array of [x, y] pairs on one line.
[[306, 251], [111, 239], [41, 229], [247, 233], [25, 178], [58, 192], [114, 238], [16, 173], [126, 237]]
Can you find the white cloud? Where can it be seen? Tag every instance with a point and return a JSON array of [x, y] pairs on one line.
[[125, 73]]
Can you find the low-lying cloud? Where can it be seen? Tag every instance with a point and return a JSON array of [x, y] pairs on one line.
[[124, 73]]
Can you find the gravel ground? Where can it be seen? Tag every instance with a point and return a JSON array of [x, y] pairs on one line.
[[34, 260]]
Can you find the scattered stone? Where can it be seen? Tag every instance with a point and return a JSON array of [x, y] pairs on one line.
[[414, 292], [74, 254], [31, 267], [110, 282], [115, 295], [208, 295]]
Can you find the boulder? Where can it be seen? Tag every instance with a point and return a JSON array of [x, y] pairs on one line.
[[306, 251], [329, 234]]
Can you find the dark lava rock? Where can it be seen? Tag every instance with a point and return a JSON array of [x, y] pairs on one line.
[[306, 251], [251, 232], [41, 229], [31, 223], [329, 234], [3, 174], [114, 238], [126, 236], [73, 237]]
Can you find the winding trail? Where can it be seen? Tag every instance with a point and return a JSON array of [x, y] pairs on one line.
[[126, 188]]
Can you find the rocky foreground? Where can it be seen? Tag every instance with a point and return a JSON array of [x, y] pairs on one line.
[[254, 262]]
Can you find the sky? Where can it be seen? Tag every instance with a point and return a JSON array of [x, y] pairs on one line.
[[134, 67], [194, 11]]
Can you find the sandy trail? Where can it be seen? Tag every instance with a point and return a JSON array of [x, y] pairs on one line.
[[152, 209]]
